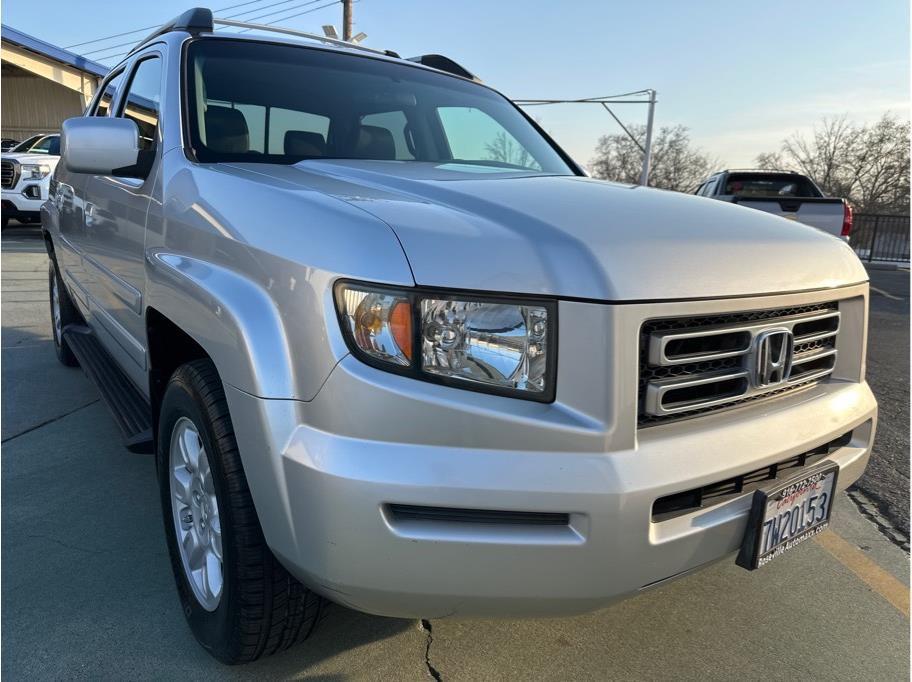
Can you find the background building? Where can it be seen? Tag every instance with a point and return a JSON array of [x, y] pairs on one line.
[[42, 84]]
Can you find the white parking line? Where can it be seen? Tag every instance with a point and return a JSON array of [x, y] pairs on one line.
[[886, 294]]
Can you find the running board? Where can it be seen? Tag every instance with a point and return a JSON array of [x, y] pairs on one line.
[[130, 409]]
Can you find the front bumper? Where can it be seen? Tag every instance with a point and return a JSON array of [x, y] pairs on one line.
[[345, 544], [16, 205], [324, 474]]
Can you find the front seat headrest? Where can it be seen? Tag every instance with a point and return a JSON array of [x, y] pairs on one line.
[[304, 143], [226, 130], [375, 142]]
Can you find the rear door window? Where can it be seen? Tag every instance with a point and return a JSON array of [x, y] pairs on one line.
[[293, 132], [255, 116], [770, 185], [396, 123], [258, 129]]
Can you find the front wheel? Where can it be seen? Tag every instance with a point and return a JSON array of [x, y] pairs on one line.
[[240, 603], [63, 312]]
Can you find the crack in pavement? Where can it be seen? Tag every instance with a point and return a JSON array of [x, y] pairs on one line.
[[49, 421], [68, 546], [868, 508], [425, 625]]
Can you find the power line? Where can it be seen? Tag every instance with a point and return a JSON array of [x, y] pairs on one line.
[[230, 16], [292, 16], [611, 99], [286, 9], [149, 28], [604, 101], [116, 35], [268, 23], [108, 48]]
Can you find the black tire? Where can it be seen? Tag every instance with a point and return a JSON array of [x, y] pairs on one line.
[[262, 609], [68, 315], [5, 222]]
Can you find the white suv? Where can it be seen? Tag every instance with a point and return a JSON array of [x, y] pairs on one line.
[[25, 179]]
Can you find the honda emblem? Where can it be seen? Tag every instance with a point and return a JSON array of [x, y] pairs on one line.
[[772, 357]]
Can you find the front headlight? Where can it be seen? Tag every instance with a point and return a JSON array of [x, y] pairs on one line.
[[34, 171], [502, 345]]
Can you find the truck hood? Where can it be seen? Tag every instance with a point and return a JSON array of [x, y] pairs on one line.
[[24, 157], [467, 227]]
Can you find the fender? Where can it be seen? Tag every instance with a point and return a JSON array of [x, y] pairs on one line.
[[239, 325], [250, 280]]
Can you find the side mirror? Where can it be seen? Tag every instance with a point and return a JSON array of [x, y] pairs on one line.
[[100, 146]]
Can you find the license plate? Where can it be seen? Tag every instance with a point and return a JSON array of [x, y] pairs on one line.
[[785, 515]]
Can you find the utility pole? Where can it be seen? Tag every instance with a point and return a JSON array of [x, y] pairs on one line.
[[346, 20], [647, 151]]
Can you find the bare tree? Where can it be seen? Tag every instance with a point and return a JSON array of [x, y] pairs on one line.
[[880, 166], [770, 161], [503, 148], [867, 164], [676, 164]]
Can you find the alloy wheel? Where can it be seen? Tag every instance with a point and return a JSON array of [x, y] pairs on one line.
[[55, 310], [196, 514]]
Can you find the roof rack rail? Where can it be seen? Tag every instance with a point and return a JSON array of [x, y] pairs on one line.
[[193, 20], [302, 34], [441, 63]]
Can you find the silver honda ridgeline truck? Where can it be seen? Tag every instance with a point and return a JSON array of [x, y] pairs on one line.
[[392, 348]]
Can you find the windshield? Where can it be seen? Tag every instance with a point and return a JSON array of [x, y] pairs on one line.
[[25, 144], [49, 144], [281, 104]]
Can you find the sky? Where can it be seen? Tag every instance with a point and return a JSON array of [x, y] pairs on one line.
[[741, 76]]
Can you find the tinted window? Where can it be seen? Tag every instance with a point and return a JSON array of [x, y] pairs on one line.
[[318, 104], [25, 145], [770, 185], [107, 96], [143, 101], [49, 144]]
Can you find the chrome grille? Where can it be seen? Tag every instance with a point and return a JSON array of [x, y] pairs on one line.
[[9, 174], [693, 365]]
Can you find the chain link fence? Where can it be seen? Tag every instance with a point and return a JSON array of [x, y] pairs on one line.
[[881, 237]]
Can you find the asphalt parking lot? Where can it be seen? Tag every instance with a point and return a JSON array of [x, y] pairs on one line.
[[87, 591], [883, 492]]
